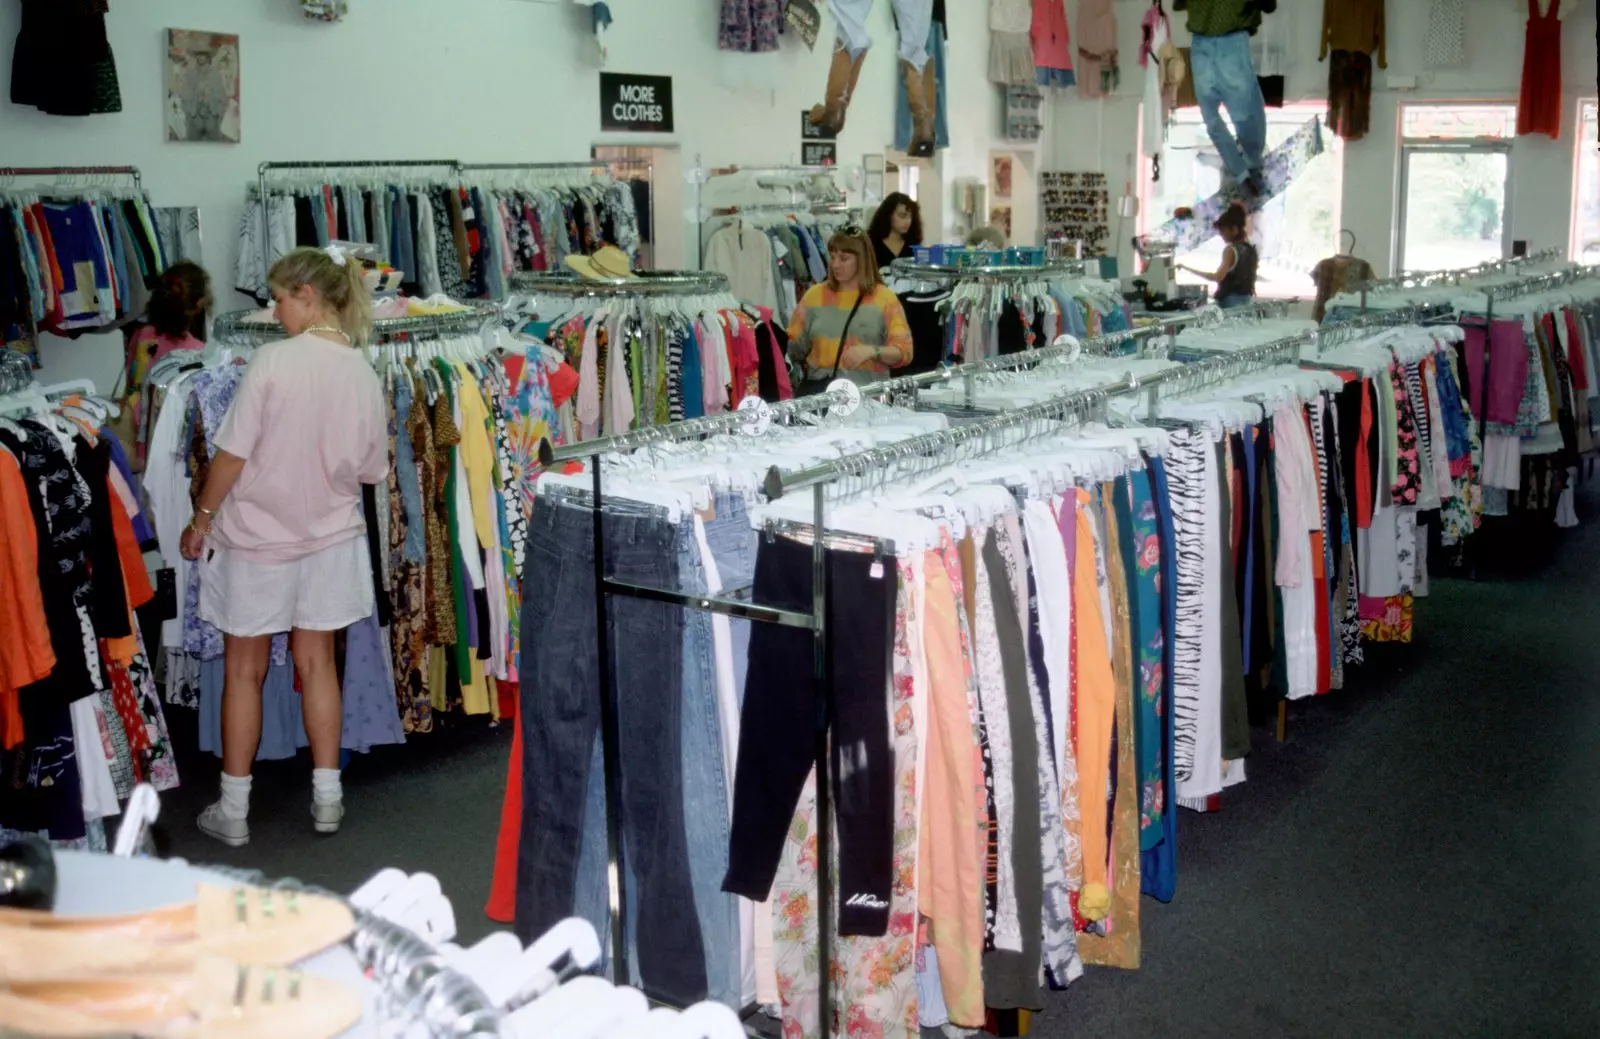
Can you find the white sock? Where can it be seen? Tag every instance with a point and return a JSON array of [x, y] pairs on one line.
[[325, 786], [235, 796]]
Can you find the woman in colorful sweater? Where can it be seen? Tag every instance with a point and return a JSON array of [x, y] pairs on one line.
[[851, 325]]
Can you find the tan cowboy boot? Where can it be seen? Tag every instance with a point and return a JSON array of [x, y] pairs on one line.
[[842, 76], [243, 925], [922, 97], [212, 1000]]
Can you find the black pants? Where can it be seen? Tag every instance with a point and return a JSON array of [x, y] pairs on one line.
[[777, 732]]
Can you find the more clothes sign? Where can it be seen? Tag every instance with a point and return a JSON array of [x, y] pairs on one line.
[[635, 104]]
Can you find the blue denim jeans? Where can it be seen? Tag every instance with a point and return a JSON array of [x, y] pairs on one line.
[[1225, 77], [705, 785], [560, 718], [1236, 299]]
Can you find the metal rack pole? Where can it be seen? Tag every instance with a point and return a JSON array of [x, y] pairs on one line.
[[61, 171]]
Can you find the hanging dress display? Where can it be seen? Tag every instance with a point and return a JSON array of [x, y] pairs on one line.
[[1539, 107]]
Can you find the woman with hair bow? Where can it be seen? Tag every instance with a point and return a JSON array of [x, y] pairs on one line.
[[278, 528]]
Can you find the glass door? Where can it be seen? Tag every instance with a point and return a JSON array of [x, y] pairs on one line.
[[1454, 202]]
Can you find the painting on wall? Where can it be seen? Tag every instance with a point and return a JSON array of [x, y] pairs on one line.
[[1000, 178], [202, 79], [1000, 216]]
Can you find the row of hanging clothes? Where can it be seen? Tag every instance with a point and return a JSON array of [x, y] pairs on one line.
[[1529, 366], [1050, 627], [767, 228], [1414, 477], [467, 409], [464, 234], [659, 347], [79, 254], [80, 719], [972, 314]]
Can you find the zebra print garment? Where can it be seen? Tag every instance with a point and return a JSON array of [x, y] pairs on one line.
[[674, 366], [1186, 482]]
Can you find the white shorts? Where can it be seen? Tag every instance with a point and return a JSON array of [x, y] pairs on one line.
[[324, 591]]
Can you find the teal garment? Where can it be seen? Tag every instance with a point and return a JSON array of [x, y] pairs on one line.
[[694, 405], [1141, 558]]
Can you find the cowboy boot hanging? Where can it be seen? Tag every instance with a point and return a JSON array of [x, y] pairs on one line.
[[850, 49]]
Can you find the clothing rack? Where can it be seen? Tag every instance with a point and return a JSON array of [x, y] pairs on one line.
[[266, 168], [74, 171], [237, 324], [815, 621], [647, 283], [938, 272], [798, 180], [1456, 276], [778, 483]]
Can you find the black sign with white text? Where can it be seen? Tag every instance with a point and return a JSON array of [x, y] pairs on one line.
[[635, 104], [819, 153]]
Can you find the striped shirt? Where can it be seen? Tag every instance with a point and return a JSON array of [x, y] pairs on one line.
[[819, 321]]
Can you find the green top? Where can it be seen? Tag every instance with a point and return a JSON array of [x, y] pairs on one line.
[[1220, 17]]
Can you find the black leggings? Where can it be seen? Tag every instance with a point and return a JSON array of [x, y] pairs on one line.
[[777, 731]]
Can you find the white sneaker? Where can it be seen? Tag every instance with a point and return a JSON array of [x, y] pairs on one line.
[[213, 822], [326, 817]]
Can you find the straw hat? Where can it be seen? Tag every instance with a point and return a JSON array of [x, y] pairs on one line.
[[608, 262]]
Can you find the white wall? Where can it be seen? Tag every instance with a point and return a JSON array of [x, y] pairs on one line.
[[473, 80], [476, 80], [1091, 135]]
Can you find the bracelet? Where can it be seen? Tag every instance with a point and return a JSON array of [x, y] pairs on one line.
[[208, 512]]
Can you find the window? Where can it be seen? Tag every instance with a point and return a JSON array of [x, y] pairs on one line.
[[1586, 192], [1455, 185], [1292, 232]]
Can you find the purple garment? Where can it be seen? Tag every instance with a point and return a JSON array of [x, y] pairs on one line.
[[751, 26], [283, 727], [1067, 521], [119, 458], [371, 717], [1508, 370]]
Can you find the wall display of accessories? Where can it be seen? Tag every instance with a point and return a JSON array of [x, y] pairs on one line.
[[1076, 206]]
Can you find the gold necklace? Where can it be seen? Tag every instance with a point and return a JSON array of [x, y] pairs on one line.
[[329, 328]]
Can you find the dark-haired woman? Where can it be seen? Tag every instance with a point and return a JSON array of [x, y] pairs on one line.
[[896, 227], [1236, 278], [175, 320]]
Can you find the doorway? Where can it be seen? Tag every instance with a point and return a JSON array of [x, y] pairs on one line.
[[656, 174]]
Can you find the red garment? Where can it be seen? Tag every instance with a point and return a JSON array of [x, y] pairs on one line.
[[1363, 463], [563, 383], [1052, 43], [502, 907], [1539, 110]]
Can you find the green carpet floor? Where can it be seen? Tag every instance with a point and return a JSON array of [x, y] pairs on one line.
[[1420, 858]]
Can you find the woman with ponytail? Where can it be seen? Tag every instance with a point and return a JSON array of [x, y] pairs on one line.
[[278, 528]]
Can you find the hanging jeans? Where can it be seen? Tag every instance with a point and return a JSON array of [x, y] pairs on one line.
[[914, 16], [776, 739], [1225, 78], [902, 108], [560, 719]]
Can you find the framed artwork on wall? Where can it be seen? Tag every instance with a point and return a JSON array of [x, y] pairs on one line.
[[1000, 167], [202, 82]]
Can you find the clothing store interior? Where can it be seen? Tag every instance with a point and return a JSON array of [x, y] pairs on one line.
[[803, 518]]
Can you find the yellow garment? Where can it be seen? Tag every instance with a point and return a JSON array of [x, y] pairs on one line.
[[1096, 699], [953, 828], [1121, 946], [477, 454]]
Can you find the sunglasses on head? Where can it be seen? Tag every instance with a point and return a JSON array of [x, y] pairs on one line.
[[853, 230]]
